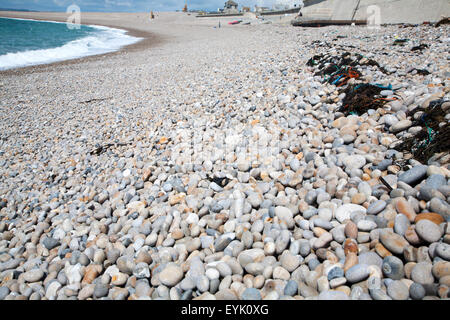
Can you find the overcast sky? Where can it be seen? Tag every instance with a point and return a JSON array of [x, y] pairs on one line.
[[124, 5]]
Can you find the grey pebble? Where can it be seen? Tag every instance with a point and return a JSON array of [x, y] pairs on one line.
[[251, 294]]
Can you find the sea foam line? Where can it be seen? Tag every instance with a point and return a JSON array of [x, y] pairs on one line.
[[106, 40]]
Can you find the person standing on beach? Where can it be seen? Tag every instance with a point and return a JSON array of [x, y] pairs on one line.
[[301, 5]]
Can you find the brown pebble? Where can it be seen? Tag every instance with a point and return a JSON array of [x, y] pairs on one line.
[[410, 254], [333, 258], [350, 245], [358, 198], [408, 269], [433, 217], [411, 236], [382, 251], [403, 206], [351, 259], [91, 273], [443, 291], [177, 234], [351, 230], [441, 269]]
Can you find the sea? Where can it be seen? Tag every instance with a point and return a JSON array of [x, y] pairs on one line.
[[26, 42]]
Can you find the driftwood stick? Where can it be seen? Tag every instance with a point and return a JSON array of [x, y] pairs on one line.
[[386, 184], [95, 99], [103, 148]]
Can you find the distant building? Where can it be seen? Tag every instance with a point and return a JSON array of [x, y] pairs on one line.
[[245, 9], [288, 4], [261, 9], [230, 7]]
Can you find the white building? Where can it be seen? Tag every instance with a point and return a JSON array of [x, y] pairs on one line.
[[288, 4]]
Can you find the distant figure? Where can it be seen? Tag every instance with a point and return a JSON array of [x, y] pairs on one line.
[[301, 5], [152, 16]]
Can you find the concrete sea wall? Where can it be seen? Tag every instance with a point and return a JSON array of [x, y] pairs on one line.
[[391, 11]]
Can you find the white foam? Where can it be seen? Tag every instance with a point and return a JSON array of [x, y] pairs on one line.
[[104, 41]]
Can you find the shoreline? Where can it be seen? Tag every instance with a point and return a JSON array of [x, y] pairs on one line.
[[148, 40]]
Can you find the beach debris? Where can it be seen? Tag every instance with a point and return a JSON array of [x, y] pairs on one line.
[[95, 100], [422, 72], [339, 69], [433, 140], [419, 47], [359, 98], [445, 20], [102, 148], [400, 42]]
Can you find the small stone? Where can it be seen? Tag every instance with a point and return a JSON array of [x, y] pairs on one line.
[[291, 288], [435, 181], [357, 273], [411, 236], [171, 275], [366, 225], [285, 215], [428, 230], [378, 294], [414, 175], [333, 295], [202, 283], [33, 275], [289, 261], [4, 291], [212, 273], [243, 165], [421, 273], [250, 256], [100, 290], [376, 207], [382, 251], [280, 273], [370, 258], [337, 282], [400, 126], [354, 161], [222, 242], [306, 291], [441, 269], [86, 292], [52, 289], [397, 290], [335, 272], [405, 208], [433, 217], [351, 230], [251, 294], [392, 268], [416, 291], [91, 272], [393, 242], [344, 212], [401, 224], [323, 240], [441, 207], [50, 243], [119, 279], [443, 251]]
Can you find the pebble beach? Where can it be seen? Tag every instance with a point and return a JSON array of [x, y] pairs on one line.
[[214, 163]]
